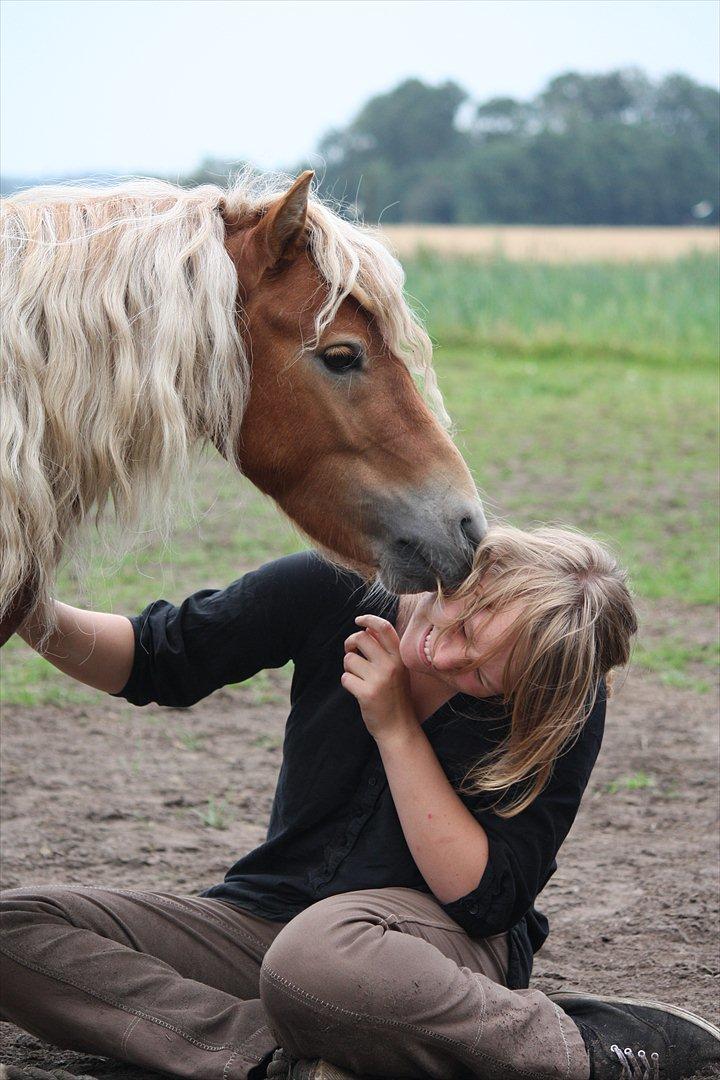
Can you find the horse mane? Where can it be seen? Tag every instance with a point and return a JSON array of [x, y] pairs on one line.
[[121, 349]]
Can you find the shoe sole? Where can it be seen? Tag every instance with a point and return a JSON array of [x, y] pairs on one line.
[[567, 995], [333, 1072]]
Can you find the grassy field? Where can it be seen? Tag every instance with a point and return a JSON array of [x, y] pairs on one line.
[[584, 394]]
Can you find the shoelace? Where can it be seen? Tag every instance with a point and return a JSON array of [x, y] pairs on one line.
[[637, 1068]]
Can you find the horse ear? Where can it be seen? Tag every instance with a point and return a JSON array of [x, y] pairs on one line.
[[284, 223], [277, 238]]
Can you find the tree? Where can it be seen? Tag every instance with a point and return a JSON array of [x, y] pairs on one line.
[[412, 123], [608, 148], [684, 109], [573, 99], [501, 117], [383, 151]]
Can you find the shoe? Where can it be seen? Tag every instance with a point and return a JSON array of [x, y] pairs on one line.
[[635, 1039], [284, 1068]]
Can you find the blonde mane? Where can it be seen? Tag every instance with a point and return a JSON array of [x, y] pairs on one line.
[[121, 350]]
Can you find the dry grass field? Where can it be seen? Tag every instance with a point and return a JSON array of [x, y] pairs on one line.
[[556, 244]]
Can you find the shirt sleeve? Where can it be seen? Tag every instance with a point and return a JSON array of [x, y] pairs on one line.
[[522, 849], [221, 636]]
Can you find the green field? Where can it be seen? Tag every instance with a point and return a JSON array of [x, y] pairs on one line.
[[583, 394]]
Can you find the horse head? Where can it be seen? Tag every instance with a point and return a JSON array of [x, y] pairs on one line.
[[335, 429]]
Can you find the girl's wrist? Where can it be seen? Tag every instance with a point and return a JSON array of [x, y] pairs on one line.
[[400, 736]]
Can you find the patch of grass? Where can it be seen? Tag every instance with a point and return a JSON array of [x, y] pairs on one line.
[[189, 740], [136, 761], [685, 682], [636, 310], [215, 815], [603, 445], [636, 782], [269, 688], [267, 742], [675, 661], [28, 679]]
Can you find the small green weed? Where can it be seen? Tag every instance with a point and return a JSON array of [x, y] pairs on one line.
[[189, 740], [215, 816], [635, 782], [136, 761], [267, 742], [266, 689]]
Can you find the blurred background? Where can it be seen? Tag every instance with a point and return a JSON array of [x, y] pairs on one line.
[[447, 111], [548, 173]]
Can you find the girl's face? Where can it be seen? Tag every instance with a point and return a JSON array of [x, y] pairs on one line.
[[423, 650]]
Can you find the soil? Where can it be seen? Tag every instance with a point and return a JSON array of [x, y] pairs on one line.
[[113, 795]]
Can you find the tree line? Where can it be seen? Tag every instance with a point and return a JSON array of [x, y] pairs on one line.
[[614, 148]]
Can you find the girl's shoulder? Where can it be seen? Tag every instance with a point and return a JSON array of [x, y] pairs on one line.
[[311, 575], [322, 597]]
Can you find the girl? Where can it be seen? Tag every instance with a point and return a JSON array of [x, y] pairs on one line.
[[435, 755]]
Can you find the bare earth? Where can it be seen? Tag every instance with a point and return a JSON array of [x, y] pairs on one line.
[[556, 243], [110, 794]]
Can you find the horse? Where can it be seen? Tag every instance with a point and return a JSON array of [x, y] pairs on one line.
[[143, 319]]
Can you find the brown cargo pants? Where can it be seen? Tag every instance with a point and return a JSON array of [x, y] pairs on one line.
[[381, 982]]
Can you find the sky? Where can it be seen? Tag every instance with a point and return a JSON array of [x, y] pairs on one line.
[[128, 86]]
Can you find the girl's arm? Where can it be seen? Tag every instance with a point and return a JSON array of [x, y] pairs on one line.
[[90, 646], [176, 655], [449, 846]]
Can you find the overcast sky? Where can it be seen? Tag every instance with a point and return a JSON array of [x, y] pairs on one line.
[[156, 85]]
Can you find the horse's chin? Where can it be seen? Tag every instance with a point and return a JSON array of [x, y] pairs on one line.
[[415, 576], [388, 578], [392, 575]]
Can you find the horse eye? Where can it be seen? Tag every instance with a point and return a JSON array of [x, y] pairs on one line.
[[340, 358]]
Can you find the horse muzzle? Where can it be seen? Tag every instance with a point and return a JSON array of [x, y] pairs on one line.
[[427, 537]]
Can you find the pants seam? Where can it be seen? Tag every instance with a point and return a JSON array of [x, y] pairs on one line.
[[243, 1048], [318, 1004], [128, 1032], [424, 922], [228, 1063], [481, 1023], [139, 1013]]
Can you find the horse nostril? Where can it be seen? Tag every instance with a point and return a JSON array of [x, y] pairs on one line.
[[473, 529]]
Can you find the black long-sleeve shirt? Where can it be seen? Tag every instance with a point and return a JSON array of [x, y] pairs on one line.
[[333, 826]]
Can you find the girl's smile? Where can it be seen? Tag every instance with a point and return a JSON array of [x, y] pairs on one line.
[[425, 647]]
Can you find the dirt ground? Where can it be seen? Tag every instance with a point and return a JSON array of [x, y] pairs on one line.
[[115, 795]]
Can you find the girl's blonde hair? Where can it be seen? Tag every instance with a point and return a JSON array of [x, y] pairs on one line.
[[574, 625]]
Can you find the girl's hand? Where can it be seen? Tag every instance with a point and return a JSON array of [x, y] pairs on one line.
[[377, 677]]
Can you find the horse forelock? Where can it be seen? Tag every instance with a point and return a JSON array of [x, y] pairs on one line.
[[353, 260]]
